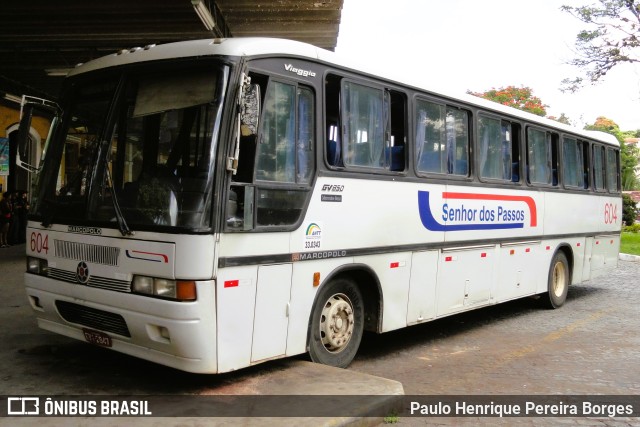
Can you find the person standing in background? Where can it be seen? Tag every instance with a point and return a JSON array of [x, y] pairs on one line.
[[6, 211], [13, 226], [20, 212]]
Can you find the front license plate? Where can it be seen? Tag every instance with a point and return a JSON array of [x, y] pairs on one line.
[[97, 338]]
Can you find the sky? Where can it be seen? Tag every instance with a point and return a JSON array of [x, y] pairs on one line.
[[477, 45]]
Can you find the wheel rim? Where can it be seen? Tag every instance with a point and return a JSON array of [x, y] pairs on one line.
[[559, 279], [336, 323]]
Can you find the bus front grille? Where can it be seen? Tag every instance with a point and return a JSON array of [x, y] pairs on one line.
[[93, 318], [94, 281], [105, 255]]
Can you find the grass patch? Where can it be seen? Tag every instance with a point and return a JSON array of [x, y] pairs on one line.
[[391, 418], [630, 243]]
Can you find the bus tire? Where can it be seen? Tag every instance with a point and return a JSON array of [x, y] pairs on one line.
[[337, 322], [558, 283]]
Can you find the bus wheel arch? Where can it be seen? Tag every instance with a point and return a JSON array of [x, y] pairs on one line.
[[559, 279], [345, 305]]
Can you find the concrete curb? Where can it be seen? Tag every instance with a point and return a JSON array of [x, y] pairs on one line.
[[628, 257]]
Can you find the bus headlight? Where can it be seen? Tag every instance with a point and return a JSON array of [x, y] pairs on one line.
[[165, 288], [37, 266], [182, 290]]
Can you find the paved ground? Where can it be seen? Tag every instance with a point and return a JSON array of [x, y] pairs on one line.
[[590, 346]]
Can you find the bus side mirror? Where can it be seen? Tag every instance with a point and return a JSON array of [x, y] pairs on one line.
[[23, 131], [250, 110], [30, 106]]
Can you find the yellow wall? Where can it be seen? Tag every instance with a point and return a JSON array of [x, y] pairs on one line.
[[10, 116]]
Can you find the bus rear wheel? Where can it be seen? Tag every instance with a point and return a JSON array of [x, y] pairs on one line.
[[558, 283], [336, 323]]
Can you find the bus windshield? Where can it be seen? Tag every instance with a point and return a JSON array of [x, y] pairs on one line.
[[136, 148]]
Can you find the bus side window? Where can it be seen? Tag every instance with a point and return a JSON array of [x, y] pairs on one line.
[[613, 174], [395, 150], [575, 163], [495, 140], [334, 151], [598, 168], [333, 128], [442, 139], [539, 157], [285, 154], [365, 126], [585, 164], [571, 163], [515, 152], [553, 139]]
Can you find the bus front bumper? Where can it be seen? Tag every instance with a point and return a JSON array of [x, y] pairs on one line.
[[181, 335]]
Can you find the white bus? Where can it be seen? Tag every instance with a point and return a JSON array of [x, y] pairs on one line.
[[210, 205]]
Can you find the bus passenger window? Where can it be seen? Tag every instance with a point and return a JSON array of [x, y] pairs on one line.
[[442, 139], [598, 168], [572, 164], [395, 151], [364, 125], [613, 175], [334, 155], [495, 148], [539, 157], [575, 163], [373, 129]]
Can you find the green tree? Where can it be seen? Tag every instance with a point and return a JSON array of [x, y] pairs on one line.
[[629, 155], [629, 210], [612, 38], [562, 119], [517, 97]]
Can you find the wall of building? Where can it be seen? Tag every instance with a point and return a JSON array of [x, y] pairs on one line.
[[9, 119]]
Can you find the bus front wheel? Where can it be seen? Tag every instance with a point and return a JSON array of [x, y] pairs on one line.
[[558, 284], [336, 323]]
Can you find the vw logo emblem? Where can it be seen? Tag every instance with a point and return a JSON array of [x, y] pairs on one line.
[[82, 272]]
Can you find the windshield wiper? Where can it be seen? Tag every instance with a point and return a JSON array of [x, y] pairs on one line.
[[53, 208], [122, 223]]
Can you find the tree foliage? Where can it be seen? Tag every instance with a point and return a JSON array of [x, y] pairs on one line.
[[629, 155], [612, 38], [629, 210], [562, 119], [521, 98]]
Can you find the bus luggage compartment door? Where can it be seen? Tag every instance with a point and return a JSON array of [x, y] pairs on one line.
[[465, 278], [271, 319]]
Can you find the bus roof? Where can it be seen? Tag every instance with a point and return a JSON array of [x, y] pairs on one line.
[[258, 46]]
